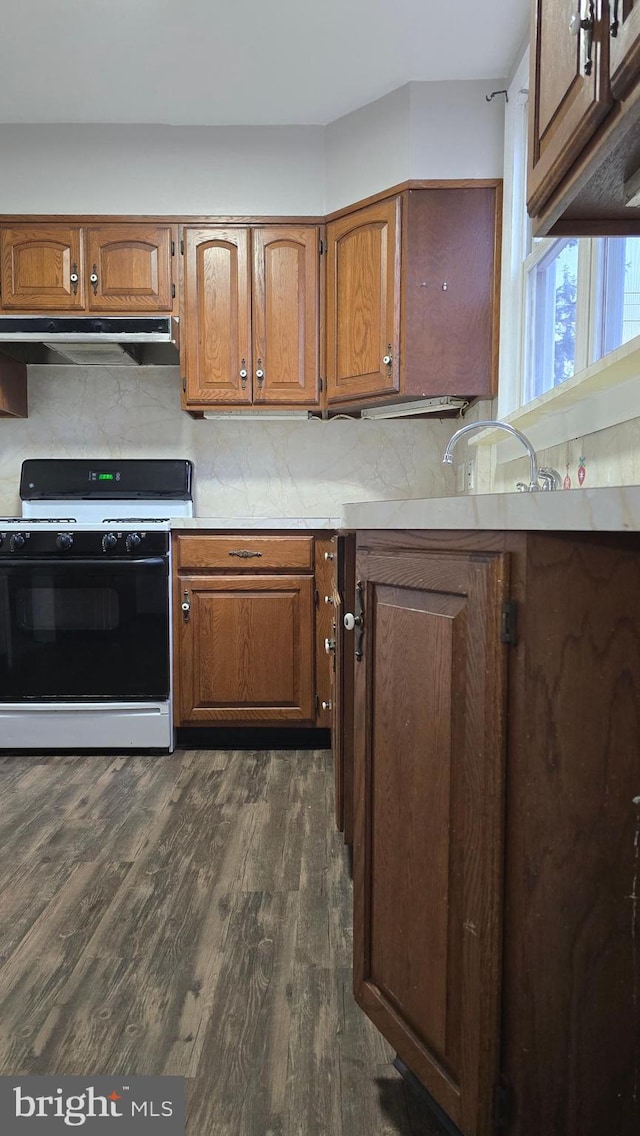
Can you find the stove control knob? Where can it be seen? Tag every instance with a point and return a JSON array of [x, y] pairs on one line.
[[109, 540], [64, 541], [17, 540], [133, 541]]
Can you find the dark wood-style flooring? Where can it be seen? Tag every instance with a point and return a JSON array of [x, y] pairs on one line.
[[191, 915]]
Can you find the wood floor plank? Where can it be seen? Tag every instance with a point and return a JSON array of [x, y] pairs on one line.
[[191, 915], [247, 1038]]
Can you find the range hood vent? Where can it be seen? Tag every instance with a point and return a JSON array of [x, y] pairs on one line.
[[91, 340]]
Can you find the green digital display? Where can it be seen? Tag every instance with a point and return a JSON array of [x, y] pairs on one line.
[[106, 477]]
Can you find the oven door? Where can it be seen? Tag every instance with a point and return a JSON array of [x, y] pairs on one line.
[[93, 630]]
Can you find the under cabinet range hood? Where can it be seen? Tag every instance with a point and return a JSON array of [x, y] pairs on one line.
[[91, 340]]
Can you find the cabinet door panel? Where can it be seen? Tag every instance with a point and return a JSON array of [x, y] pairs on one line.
[[246, 652], [37, 268], [363, 297], [448, 342], [217, 316], [285, 314], [625, 46], [430, 694], [133, 268], [568, 104]]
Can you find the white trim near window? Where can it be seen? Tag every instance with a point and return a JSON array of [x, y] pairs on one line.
[[516, 239], [604, 389]]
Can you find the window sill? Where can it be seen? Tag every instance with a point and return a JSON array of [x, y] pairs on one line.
[[605, 394]]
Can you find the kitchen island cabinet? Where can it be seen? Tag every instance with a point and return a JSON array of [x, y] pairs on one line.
[[247, 642], [497, 805]]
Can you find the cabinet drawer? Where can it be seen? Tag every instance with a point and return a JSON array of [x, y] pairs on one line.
[[240, 552]]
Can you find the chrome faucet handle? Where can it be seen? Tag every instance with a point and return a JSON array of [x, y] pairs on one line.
[[549, 478]]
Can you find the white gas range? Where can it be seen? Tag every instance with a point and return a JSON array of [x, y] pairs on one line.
[[85, 604]]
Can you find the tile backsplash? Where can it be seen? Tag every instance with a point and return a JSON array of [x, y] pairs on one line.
[[296, 468]]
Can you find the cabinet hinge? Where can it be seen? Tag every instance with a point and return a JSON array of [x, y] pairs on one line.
[[509, 623], [502, 1104], [182, 247], [316, 598], [321, 246], [173, 291], [321, 385], [184, 383], [173, 248], [316, 701]]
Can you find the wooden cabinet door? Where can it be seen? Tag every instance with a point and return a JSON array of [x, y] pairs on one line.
[[129, 268], [363, 297], [41, 268], [430, 721], [566, 103], [624, 67], [216, 336], [286, 315], [246, 651]]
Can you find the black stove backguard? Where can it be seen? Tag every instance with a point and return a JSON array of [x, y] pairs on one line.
[[111, 479]]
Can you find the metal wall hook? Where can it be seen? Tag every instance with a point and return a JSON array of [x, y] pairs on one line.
[[489, 98]]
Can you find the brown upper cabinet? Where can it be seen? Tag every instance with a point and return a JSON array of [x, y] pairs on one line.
[[251, 316], [77, 268], [584, 125], [412, 297]]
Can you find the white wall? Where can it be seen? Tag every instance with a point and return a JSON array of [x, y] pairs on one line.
[[421, 130], [303, 468], [425, 131], [368, 150], [240, 170], [455, 132]]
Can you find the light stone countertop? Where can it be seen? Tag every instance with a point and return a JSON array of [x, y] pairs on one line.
[[256, 523], [585, 510]]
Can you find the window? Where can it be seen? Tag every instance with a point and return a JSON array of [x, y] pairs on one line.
[[566, 302]]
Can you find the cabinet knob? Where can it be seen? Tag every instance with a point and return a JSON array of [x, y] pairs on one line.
[[74, 279], [352, 621], [329, 599], [94, 279], [327, 705], [388, 358], [244, 374], [329, 555], [329, 645], [260, 373], [186, 607]]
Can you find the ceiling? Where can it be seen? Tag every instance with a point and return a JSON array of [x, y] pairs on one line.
[[239, 61]]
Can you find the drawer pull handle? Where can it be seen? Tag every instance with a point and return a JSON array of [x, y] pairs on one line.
[[244, 553]]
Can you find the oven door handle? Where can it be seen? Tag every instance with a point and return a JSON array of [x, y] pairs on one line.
[[84, 562]]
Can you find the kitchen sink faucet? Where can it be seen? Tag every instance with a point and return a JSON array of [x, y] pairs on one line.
[[539, 479]]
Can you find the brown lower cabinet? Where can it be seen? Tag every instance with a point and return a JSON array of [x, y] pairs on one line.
[[246, 650], [497, 811]]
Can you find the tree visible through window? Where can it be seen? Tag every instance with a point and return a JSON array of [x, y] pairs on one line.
[[565, 340]]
